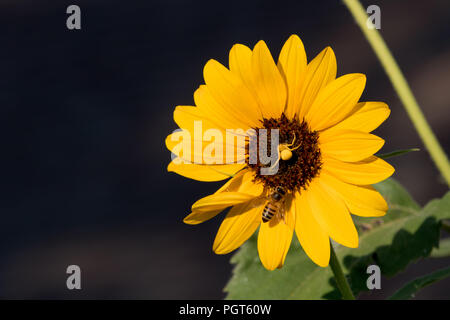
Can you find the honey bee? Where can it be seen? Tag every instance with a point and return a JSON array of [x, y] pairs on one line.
[[274, 205]]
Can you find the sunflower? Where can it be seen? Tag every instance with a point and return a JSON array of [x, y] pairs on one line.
[[325, 153]]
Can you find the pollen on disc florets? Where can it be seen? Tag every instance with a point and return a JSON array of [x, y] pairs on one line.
[[306, 161]]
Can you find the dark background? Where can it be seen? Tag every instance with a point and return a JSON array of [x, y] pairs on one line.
[[85, 114]]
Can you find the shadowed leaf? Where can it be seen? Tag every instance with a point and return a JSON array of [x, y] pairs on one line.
[[410, 289]]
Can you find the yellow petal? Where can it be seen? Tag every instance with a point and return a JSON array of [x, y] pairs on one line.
[[332, 214], [242, 183], [226, 153], [369, 171], [240, 61], [172, 140], [239, 224], [292, 66], [197, 217], [336, 101], [231, 93], [349, 145], [204, 172], [365, 116], [215, 111], [274, 239], [363, 201], [319, 72], [198, 126], [221, 201], [185, 116], [313, 239], [268, 82]]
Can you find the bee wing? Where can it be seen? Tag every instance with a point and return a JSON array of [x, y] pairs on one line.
[[282, 216], [259, 201]]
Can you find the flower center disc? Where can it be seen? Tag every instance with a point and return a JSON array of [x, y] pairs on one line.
[[298, 171]]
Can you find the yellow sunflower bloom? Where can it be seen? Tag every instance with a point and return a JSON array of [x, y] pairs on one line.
[[326, 163]]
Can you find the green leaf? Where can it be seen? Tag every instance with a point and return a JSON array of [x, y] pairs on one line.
[[443, 250], [410, 289], [396, 153], [404, 235]]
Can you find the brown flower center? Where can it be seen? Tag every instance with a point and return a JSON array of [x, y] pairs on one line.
[[302, 161]]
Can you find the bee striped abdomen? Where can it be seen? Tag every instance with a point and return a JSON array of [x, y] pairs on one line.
[[268, 212], [275, 201]]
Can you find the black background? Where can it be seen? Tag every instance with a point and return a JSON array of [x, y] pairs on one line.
[[85, 114]]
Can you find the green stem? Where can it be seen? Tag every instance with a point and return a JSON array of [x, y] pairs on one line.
[[341, 281], [402, 88]]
